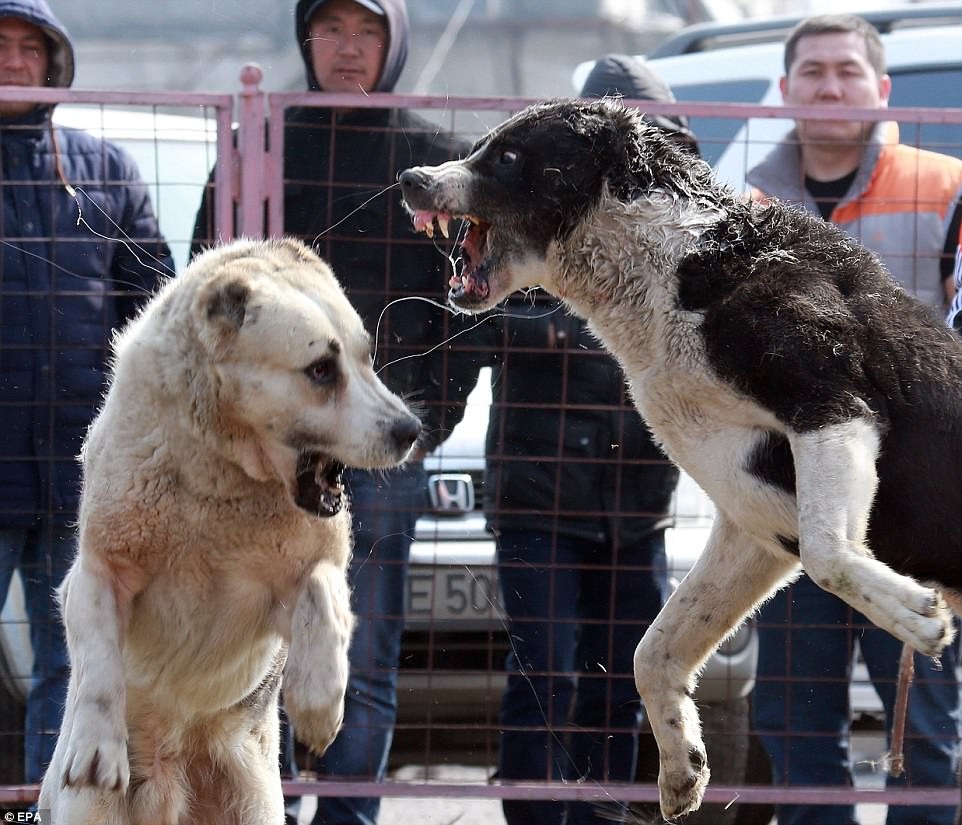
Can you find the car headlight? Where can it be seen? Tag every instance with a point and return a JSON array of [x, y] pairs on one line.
[[738, 641]]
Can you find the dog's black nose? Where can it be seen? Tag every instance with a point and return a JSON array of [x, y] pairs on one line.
[[405, 431], [413, 180]]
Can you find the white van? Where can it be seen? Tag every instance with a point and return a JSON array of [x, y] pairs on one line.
[[174, 153], [743, 63]]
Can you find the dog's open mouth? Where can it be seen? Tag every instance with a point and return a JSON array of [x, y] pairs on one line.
[[319, 488], [469, 283]]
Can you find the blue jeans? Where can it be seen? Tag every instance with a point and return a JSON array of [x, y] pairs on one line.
[[385, 507], [801, 704], [43, 554], [570, 711]]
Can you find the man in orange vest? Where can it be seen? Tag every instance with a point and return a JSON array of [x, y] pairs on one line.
[[903, 203]]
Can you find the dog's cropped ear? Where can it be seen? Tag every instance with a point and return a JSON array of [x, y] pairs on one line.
[[220, 309], [613, 131]]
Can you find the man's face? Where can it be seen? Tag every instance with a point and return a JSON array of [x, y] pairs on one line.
[[347, 46], [23, 60], [833, 69]]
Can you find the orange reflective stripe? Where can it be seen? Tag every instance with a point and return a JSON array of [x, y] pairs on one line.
[[906, 180]]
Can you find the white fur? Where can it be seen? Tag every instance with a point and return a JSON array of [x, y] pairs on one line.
[[708, 428], [197, 573], [618, 268]]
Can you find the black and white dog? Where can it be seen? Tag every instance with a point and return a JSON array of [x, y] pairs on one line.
[[817, 403]]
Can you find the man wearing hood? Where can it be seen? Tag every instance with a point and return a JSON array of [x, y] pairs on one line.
[[65, 285], [340, 169]]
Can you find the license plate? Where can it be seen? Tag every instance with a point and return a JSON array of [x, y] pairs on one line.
[[455, 595]]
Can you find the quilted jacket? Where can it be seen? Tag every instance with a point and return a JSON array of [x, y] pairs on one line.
[[80, 249]]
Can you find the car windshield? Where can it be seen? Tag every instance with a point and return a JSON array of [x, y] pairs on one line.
[[935, 87], [716, 133], [173, 152]]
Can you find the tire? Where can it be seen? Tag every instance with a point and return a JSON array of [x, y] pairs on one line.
[[759, 772], [726, 731], [11, 729], [15, 661]]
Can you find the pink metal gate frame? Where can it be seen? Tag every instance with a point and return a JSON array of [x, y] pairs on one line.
[[249, 185]]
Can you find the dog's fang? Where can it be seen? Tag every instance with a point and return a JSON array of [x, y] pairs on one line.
[[443, 221]]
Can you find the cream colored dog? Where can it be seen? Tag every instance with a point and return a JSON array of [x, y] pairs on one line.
[[213, 543]]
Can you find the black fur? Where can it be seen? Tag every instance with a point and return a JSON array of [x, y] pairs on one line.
[[559, 160], [795, 315], [830, 337], [772, 356]]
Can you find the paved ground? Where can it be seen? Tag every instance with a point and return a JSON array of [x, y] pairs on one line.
[[421, 811], [488, 811]]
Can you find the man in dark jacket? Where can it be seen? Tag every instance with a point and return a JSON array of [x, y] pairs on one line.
[[578, 496], [64, 287], [340, 167]]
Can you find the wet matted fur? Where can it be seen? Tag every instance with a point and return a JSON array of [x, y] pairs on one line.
[[776, 361], [213, 542]]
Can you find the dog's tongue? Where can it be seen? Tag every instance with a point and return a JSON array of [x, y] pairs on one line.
[[423, 218], [424, 222]]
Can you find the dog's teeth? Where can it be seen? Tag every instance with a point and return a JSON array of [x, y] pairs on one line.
[[443, 221], [423, 219], [429, 229]]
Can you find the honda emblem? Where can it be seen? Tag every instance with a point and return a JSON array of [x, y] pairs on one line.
[[451, 493]]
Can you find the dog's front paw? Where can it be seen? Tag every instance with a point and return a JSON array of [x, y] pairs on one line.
[[315, 677], [315, 725], [935, 629], [682, 784], [98, 761], [917, 615], [314, 692]]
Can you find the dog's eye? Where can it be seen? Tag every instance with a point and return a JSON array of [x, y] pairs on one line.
[[508, 157], [322, 372]]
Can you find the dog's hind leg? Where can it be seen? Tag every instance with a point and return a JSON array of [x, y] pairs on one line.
[[733, 574], [239, 781], [835, 481]]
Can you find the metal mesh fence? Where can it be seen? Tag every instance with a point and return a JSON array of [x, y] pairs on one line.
[[548, 449]]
